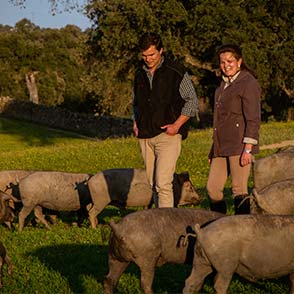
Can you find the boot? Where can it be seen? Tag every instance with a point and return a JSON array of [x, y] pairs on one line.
[[219, 206], [244, 208]]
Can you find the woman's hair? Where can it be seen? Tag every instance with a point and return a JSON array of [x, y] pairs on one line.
[[234, 49], [149, 39], [237, 52]]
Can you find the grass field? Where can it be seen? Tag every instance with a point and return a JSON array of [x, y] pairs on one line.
[[68, 259]]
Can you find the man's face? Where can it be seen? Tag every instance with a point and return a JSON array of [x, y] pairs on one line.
[[152, 57]]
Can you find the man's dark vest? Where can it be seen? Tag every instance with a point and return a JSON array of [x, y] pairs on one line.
[[163, 103]]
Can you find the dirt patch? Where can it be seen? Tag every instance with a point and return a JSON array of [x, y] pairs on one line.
[[278, 145]]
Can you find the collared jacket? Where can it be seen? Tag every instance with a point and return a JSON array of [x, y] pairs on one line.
[[236, 115]]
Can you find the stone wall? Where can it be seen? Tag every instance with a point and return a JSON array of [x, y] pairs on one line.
[[100, 127]]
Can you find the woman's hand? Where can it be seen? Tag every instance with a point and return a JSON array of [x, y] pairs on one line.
[[246, 158]]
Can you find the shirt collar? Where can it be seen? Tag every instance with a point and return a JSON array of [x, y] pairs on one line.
[[229, 80]]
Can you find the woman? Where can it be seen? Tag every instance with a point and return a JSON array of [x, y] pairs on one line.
[[236, 123]]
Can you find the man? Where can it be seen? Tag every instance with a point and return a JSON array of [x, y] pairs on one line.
[[164, 100]]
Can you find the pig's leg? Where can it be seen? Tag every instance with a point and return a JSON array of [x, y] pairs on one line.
[[147, 268], [93, 217], [40, 216], [194, 282], [94, 211], [9, 225], [116, 268], [25, 211], [9, 219], [222, 282], [8, 263], [291, 283]]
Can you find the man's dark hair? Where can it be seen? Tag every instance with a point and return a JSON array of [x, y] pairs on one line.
[[149, 39]]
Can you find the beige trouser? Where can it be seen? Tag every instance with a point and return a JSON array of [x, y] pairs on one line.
[[220, 169], [160, 155]]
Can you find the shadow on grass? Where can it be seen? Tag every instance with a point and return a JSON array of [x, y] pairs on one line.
[[33, 134], [73, 261], [170, 278], [205, 204], [113, 212]]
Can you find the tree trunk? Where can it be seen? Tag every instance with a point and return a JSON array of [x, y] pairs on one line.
[[290, 114], [32, 86]]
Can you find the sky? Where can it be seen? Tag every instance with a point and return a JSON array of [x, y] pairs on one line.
[[38, 12]]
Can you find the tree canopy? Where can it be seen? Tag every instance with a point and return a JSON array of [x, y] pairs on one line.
[[52, 55], [191, 30]]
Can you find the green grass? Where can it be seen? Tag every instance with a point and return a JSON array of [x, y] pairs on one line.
[[67, 259]]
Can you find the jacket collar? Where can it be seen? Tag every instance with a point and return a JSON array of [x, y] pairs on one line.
[[229, 80], [236, 78]]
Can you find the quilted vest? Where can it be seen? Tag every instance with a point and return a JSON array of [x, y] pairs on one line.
[[163, 103]]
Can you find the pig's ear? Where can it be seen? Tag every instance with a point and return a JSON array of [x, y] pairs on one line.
[[184, 176]]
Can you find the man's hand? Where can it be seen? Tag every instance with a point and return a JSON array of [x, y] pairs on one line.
[[135, 129], [170, 129]]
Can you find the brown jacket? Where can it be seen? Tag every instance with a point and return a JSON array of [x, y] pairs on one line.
[[236, 115]]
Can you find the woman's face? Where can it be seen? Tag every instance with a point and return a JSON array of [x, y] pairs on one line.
[[229, 64]]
